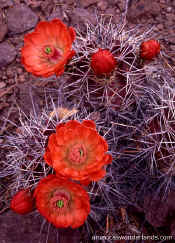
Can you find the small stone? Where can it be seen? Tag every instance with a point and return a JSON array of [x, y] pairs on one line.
[[3, 31], [102, 5], [120, 4], [172, 47], [3, 69], [20, 18], [111, 11], [6, 3], [170, 19], [87, 3], [3, 105], [117, 18], [19, 70], [2, 85], [142, 8], [10, 81], [3, 28], [170, 38], [82, 15], [33, 4], [160, 26], [71, 2], [118, 11], [7, 53], [10, 73], [57, 13], [47, 7], [22, 78], [18, 59], [169, 9]]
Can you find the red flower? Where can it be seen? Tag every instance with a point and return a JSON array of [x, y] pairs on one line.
[[77, 151], [149, 49], [22, 202], [48, 48], [62, 202], [103, 62]]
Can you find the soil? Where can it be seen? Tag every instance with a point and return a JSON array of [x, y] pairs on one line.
[[18, 18]]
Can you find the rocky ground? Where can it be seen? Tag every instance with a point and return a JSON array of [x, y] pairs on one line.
[[18, 18]]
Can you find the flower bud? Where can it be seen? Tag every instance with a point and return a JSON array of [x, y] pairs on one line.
[[22, 202], [149, 49], [103, 62]]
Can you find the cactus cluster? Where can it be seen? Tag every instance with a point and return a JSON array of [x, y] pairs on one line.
[[132, 104]]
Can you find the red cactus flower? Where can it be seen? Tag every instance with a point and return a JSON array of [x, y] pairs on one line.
[[149, 49], [61, 202], [22, 202], [103, 62], [48, 48], [77, 151]]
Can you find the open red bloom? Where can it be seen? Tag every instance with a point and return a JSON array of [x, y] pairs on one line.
[[77, 151], [103, 62], [48, 48], [149, 49], [22, 202], [61, 202]]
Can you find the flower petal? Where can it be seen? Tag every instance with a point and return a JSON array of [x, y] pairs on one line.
[[72, 33], [89, 123]]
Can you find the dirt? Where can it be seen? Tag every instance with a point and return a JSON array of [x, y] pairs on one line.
[[21, 16]]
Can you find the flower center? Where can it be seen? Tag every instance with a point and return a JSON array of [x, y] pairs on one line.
[[48, 50], [52, 53], [60, 200], [60, 203], [77, 154]]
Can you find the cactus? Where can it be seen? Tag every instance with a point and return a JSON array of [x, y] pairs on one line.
[[133, 108]]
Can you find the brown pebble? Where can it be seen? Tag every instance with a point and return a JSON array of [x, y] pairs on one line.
[[19, 70], [10, 73], [87, 3], [2, 85], [22, 78], [102, 5]]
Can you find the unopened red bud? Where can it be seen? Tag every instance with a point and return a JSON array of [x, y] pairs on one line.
[[22, 202], [103, 62], [149, 49]]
